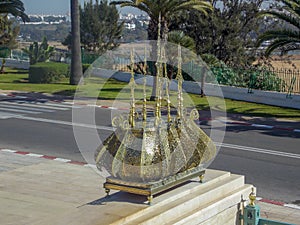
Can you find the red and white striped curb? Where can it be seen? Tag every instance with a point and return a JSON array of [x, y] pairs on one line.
[[45, 157], [273, 202], [89, 165]]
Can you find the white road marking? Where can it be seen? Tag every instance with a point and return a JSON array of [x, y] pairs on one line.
[[259, 150], [18, 110], [61, 105], [66, 123], [31, 108], [36, 105], [4, 115], [262, 126]]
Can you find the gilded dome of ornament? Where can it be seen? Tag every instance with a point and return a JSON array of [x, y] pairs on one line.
[[146, 152], [150, 149]]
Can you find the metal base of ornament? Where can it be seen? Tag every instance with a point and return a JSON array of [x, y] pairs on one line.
[[150, 189]]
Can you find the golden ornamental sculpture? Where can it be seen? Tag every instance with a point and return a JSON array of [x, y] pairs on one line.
[[146, 155]]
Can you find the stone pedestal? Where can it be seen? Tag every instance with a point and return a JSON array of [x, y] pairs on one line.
[[215, 201]]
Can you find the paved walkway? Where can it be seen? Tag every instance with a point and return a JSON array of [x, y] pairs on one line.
[[35, 190]]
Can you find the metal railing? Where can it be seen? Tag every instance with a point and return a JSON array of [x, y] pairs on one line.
[[253, 78], [267, 79]]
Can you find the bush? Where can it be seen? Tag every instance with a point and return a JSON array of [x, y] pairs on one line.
[[47, 72], [254, 78], [85, 66]]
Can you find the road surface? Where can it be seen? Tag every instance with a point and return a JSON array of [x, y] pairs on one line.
[[269, 159]]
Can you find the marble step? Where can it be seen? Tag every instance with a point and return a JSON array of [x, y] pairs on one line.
[[186, 199], [221, 211]]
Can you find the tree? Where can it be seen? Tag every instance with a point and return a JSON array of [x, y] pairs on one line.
[[228, 32], [39, 53], [166, 9], [100, 30], [76, 65], [8, 28], [8, 32], [286, 38], [14, 7], [163, 10]]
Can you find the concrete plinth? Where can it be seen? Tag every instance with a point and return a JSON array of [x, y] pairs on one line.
[[216, 201]]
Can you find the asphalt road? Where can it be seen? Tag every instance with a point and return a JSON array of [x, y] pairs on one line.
[[269, 159]]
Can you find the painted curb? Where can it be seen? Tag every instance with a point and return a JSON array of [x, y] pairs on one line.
[[44, 157]]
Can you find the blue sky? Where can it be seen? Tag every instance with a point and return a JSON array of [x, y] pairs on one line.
[[52, 6]]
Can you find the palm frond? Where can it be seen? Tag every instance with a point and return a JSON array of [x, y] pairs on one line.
[[276, 45], [14, 7], [293, 20]]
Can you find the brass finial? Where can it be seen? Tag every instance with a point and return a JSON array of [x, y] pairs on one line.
[[132, 87], [180, 81], [252, 197], [158, 75], [166, 78], [145, 83]]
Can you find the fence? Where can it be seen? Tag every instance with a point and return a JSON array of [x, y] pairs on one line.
[[291, 78], [280, 80], [266, 79]]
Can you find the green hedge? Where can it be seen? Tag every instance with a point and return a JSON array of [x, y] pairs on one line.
[[47, 72]]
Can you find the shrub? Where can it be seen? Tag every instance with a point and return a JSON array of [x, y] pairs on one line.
[[254, 78], [47, 72], [85, 66]]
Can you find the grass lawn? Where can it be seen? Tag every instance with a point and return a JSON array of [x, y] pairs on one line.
[[18, 80]]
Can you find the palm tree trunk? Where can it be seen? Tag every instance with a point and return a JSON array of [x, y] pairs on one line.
[[76, 65]]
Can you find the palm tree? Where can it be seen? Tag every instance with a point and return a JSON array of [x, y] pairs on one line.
[[165, 8], [76, 64], [285, 39], [14, 7], [162, 11]]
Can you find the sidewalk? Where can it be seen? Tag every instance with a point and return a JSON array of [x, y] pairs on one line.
[[35, 190]]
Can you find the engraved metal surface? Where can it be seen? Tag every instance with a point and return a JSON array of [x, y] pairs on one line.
[[151, 149]]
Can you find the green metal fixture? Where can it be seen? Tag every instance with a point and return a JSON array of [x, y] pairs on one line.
[[251, 214]]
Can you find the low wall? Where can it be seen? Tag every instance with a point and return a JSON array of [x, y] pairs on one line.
[[14, 63], [235, 93], [258, 96]]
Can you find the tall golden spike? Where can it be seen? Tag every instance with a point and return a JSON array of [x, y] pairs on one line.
[[158, 74], [179, 77], [145, 83], [166, 78], [132, 95]]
